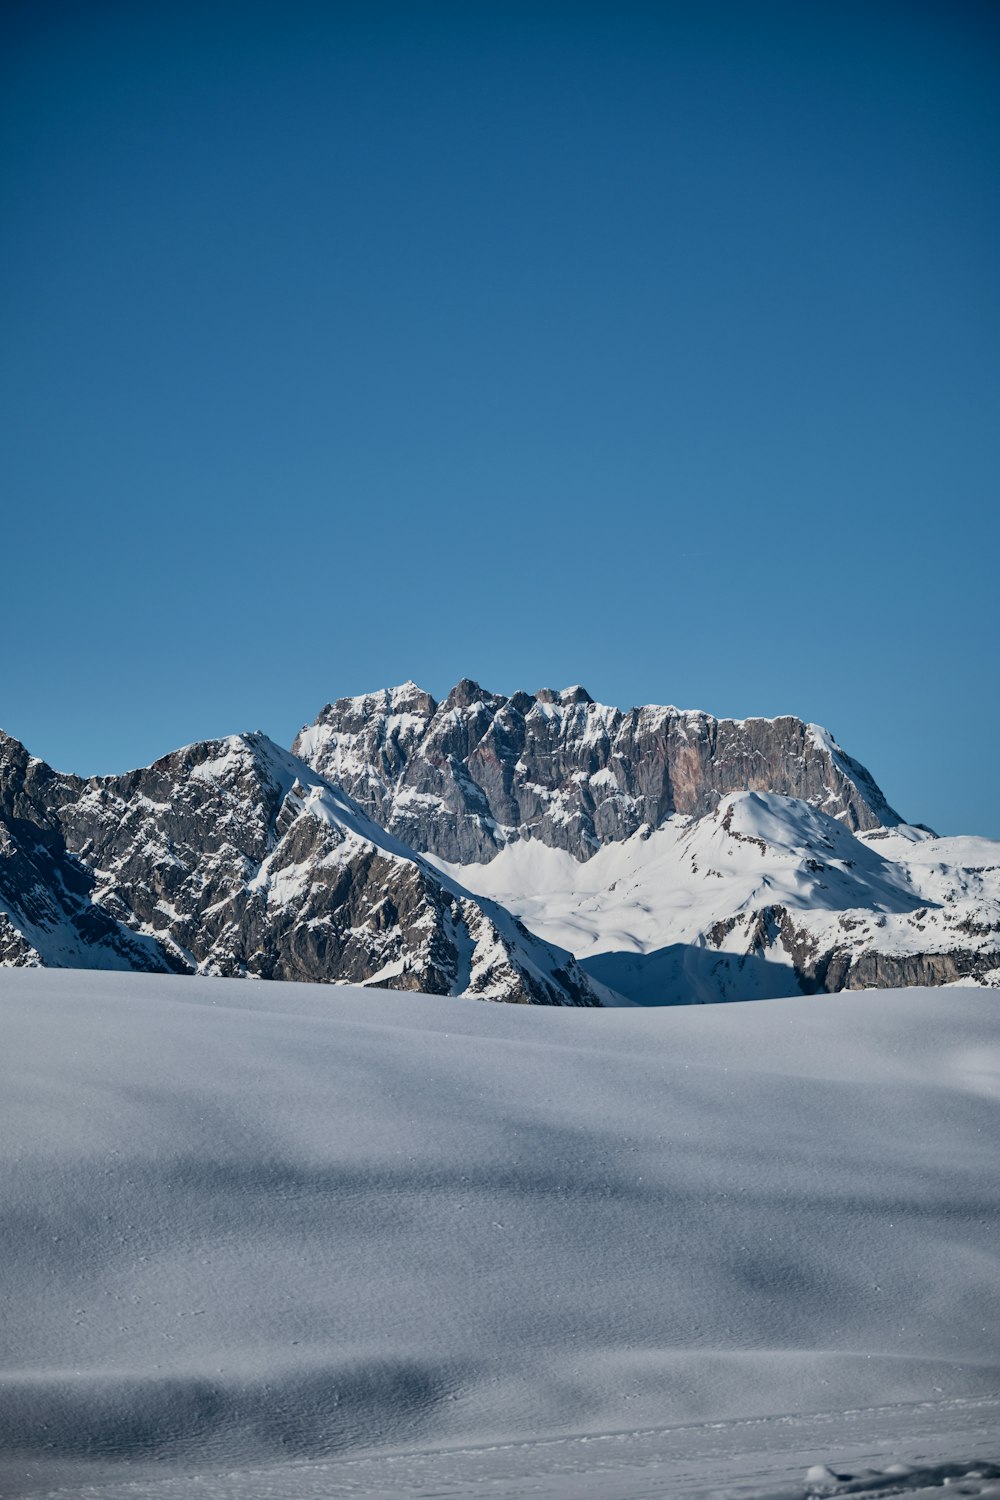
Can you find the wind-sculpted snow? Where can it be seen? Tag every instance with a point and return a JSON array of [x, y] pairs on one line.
[[282, 1235]]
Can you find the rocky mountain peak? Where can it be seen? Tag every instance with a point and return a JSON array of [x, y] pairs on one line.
[[464, 778], [565, 696], [233, 856], [466, 693], [13, 758], [687, 857]]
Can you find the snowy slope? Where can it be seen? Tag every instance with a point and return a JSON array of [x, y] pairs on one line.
[[765, 896], [258, 1232]]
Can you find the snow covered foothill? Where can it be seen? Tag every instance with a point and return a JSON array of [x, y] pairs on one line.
[[751, 899], [298, 1240]]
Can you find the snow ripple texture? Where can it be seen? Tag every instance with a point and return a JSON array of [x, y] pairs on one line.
[[287, 1240]]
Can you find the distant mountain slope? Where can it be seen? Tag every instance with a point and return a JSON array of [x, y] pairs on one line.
[[48, 913], [765, 896], [233, 857], [541, 849], [464, 778], [680, 857]]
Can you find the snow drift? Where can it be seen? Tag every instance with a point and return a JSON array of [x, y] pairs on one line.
[[257, 1225]]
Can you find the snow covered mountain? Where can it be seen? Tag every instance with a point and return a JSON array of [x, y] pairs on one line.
[[464, 778], [539, 848], [678, 856], [233, 857], [765, 896], [47, 908]]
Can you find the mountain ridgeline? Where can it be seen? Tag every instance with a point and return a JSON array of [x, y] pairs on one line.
[[538, 848], [462, 778], [231, 857]]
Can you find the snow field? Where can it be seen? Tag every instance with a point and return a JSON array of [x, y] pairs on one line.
[[249, 1229]]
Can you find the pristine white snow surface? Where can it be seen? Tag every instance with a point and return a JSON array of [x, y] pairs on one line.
[[286, 1241]]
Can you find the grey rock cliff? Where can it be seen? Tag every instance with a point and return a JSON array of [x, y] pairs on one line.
[[462, 778], [472, 777], [48, 909], [752, 857], [232, 857]]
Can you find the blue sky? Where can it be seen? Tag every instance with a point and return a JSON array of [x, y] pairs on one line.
[[651, 347]]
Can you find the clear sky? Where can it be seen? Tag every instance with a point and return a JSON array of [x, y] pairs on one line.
[[653, 347]]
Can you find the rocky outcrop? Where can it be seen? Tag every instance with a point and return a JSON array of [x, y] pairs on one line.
[[48, 910], [232, 857], [688, 858], [856, 962], [463, 778]]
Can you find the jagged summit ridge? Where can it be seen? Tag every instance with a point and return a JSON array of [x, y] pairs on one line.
[[234, 857], [465, 777], [658, 855]]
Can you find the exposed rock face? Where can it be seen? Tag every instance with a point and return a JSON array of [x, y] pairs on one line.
[[463, 778], [470, 780], [855, 962], [677, 856], [232, 857], [48, 910]]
